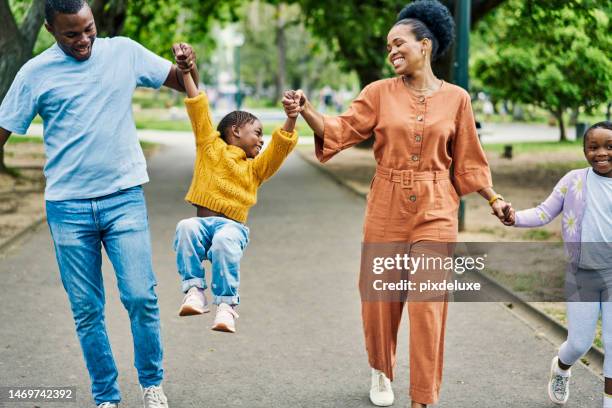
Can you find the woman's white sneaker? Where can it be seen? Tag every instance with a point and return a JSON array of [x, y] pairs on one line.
[[381, 393], [225, 318], [558, 384]]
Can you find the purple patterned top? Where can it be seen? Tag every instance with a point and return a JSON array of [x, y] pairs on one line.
[[569, 197]]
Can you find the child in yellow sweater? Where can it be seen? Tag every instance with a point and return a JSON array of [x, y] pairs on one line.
[[229, 168]]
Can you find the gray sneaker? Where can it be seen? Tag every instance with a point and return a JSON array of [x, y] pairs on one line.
[[108, 405], [154, 397], [558, 385]]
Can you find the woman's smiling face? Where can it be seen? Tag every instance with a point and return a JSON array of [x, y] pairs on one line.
[[405, 52]]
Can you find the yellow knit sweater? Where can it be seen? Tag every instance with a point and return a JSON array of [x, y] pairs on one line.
[[224, 180]]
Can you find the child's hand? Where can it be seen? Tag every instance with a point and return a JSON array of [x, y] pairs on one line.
[[291, 103], [184, 56], [504, 212]]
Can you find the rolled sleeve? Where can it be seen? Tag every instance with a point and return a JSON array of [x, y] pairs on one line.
[[470, 166], [350, 128]]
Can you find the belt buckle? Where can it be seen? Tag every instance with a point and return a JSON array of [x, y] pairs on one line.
[[406, 182]]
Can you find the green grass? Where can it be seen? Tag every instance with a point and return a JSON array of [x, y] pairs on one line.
[[24, 139], [39, 140], [527, 147], [185, 126], [537, 235]]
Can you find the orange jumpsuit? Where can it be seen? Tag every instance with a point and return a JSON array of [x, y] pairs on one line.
[[428, 154]]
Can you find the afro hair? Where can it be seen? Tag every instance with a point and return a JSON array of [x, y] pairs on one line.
[[436, 17]]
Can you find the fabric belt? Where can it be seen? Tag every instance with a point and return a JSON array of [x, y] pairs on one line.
[[407, 177]]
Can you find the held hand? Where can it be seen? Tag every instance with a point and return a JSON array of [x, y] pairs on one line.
[[510, 218], [503, 211], [184, 56], [290, 105]]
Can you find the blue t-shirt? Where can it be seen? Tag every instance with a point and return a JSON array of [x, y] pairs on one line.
[[89, 133], [596, 237]]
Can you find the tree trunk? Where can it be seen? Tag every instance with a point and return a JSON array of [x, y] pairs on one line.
[[16, 46], [109, 16], [558, 114], [281, 46]]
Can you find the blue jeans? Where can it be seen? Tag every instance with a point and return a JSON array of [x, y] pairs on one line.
[[119, 222], [221, 241]]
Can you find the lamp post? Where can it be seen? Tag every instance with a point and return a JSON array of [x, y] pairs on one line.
[[238, 42], [461, 74]]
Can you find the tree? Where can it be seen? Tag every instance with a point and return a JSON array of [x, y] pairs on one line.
[[17, 39], [357, 30], [552, 53]]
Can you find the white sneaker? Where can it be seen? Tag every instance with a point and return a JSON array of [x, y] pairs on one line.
[[225, 318], [194, 303], [154, 397], [108, 405], [381, 393], [558, 385]]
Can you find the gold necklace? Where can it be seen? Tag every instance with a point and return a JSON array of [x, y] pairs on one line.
[[422, 90]]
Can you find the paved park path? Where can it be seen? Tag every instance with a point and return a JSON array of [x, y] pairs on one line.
[[299, 340]]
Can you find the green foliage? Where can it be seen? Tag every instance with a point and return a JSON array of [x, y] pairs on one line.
[[356, 31], [309, 62], [552, 53]]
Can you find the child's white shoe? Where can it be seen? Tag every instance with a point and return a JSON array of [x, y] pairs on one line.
[[194, 303], [558, 384], [381, 393], [225, 318]]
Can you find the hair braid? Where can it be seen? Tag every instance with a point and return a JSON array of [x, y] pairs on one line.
[[235, 118]]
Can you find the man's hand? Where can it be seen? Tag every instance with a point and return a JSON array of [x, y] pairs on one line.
[[184, 56]]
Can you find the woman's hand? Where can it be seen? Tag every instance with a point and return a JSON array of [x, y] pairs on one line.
[[291, 104], [503, 211]]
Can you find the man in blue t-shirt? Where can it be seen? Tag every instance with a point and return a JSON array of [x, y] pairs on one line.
[[82, 88]]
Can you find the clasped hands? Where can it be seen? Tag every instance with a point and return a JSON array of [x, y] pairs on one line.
[[184, 56]]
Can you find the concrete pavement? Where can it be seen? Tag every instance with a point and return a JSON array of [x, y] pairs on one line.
[[299, 340]]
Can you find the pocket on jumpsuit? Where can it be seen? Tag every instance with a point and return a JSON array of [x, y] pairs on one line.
[[446, 211], [377, 210]]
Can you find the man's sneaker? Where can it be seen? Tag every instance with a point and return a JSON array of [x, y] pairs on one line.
[[108, 405], [225, 318], [194, 303], [154, 397], [381, 393], [558, 385]]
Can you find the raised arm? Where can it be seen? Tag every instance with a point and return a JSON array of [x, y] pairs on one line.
[[185, 59], [282, 143], [336, 133], [196, 103]]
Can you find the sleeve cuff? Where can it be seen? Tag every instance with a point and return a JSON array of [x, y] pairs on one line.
[[472, 180], [284, 135], [200, 98]]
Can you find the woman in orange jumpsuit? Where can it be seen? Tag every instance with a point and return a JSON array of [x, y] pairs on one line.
[[428, 155]]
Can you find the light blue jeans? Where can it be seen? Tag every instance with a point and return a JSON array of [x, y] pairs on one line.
[[591, 290], [119, 222], [220, 240]]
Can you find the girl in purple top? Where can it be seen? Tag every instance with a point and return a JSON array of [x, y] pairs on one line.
[[584, 197]]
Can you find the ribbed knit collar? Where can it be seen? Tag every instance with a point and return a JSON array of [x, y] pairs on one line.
[[236, 152]]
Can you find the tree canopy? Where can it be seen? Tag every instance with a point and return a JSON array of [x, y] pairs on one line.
[[550, 53]]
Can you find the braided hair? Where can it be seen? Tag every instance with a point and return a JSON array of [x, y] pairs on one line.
[[235, 118], [429, 19]]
